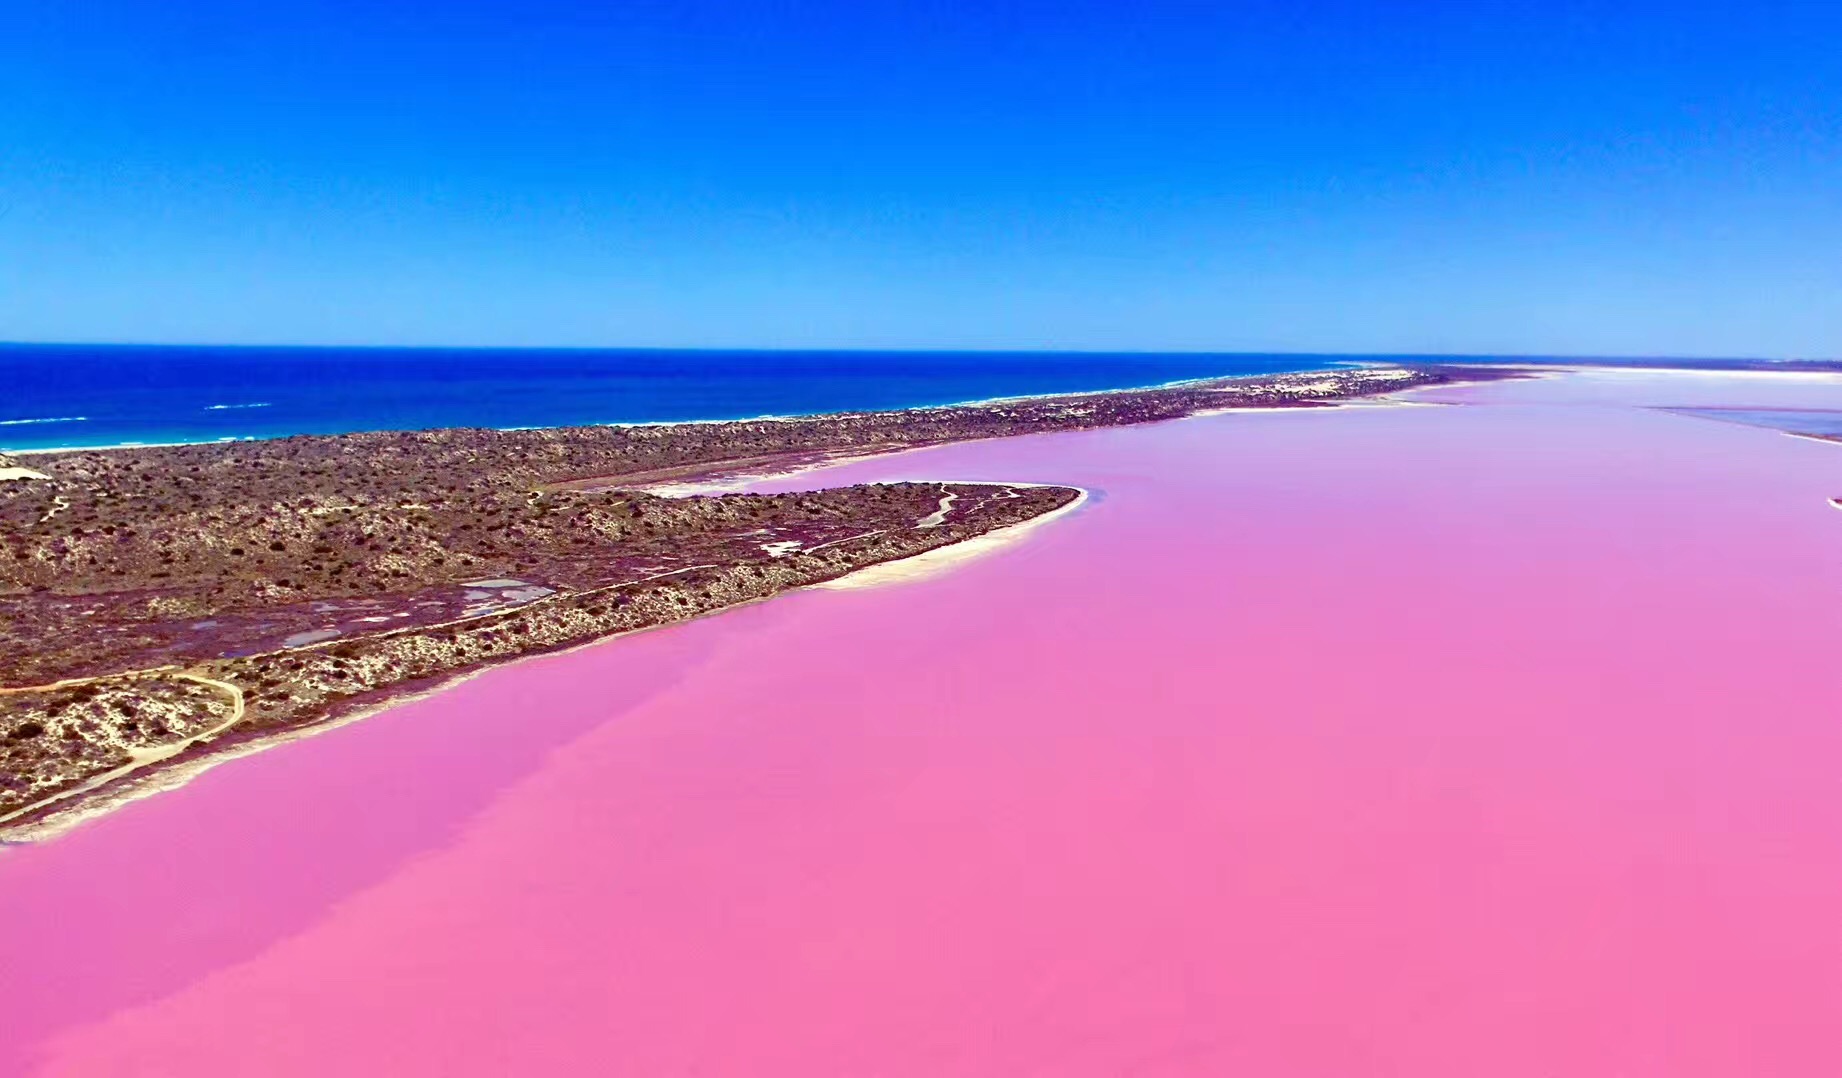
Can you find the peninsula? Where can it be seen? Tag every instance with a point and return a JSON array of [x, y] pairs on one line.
[[161, 604]]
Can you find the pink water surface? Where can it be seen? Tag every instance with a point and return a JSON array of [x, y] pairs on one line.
[[1493, 739]]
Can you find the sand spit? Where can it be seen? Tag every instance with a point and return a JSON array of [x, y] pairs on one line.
[[527, 505], [140, 779], [1307, 397]]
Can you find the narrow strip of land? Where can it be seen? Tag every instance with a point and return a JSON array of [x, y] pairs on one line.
[[162, 602]]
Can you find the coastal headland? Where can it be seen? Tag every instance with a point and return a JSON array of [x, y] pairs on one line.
[[163, 604]]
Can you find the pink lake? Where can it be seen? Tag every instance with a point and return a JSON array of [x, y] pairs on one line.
[[1500, 738]]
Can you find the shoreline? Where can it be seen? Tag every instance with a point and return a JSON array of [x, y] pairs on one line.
[[1826, 369], [771, 417], [99, 797]]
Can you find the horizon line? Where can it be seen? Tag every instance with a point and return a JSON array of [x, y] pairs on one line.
[[913, 350]]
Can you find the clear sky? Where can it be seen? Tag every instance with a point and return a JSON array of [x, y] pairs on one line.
[[1538, 177]]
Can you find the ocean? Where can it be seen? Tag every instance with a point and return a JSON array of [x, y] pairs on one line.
[[61, 396]]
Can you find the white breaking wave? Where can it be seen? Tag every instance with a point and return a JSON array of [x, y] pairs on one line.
[[47, 419], [232, 407]]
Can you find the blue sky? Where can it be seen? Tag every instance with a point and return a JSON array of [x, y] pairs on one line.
[[1624, 178]]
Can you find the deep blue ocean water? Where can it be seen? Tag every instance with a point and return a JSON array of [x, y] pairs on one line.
[[59, 396], [54, 396]]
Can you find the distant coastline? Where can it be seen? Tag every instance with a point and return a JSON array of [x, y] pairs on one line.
[[64, 397], [69, 397]]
